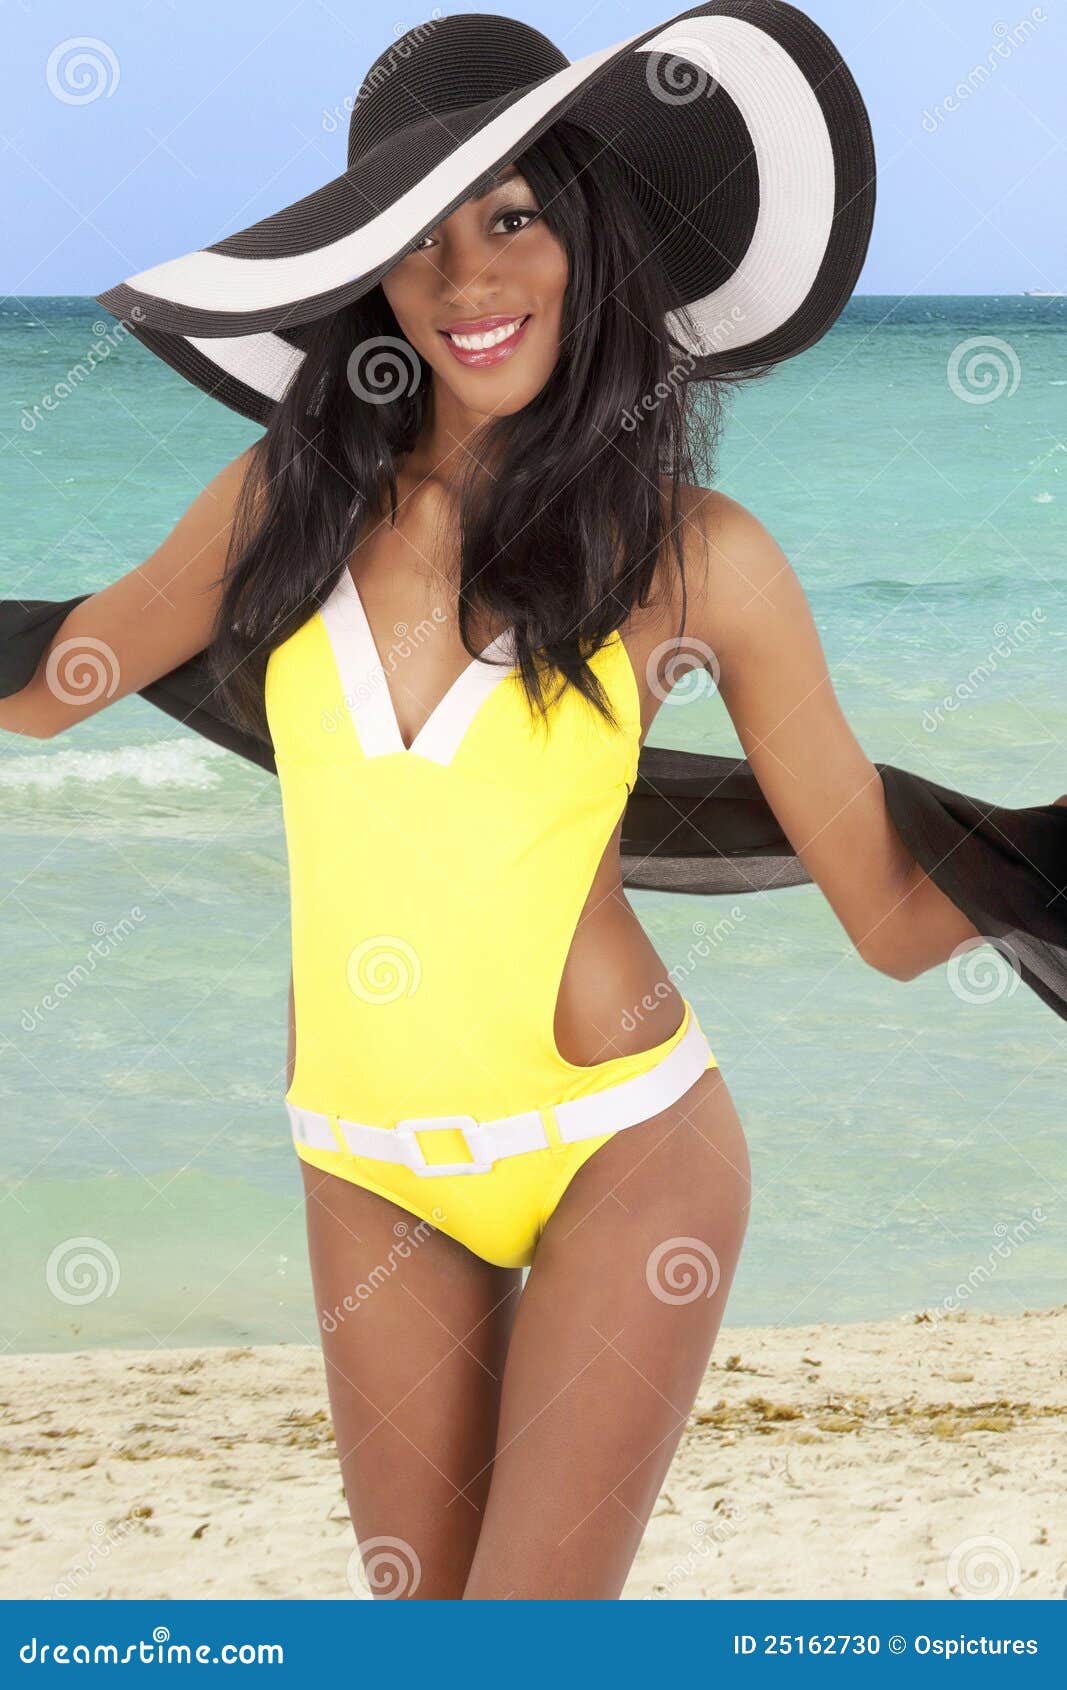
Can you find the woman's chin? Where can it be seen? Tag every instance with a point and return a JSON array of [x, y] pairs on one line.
[[491, 393]]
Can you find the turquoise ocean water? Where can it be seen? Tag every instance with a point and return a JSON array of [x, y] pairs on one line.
[[908, 1142]]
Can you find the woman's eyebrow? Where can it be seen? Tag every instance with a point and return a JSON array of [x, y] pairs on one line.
[[485, 184]]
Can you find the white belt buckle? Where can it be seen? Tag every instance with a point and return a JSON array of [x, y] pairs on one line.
[[416, 1157]]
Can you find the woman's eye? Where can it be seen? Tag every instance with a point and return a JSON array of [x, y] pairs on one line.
[[512, 221], [516, 219]]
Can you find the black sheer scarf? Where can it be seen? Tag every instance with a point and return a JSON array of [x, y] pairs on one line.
[[699, 824]]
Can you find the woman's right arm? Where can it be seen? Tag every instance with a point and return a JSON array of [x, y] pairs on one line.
[[142, 625]]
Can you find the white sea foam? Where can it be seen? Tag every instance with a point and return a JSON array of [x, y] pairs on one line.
[[173, 763]]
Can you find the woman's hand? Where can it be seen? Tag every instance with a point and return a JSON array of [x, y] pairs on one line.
[[749, 608], [141, 626]]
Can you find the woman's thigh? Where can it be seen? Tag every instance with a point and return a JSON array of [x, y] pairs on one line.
[[612, 1337], [414, 1331]]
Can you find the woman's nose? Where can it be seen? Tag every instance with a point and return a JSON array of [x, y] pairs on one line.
[[470, 273]]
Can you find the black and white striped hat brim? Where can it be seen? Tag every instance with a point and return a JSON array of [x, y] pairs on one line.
[[738, 127]]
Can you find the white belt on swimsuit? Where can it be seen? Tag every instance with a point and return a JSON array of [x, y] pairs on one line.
[[624, 1105]]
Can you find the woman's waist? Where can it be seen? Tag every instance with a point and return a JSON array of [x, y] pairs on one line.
[[390, 1063]]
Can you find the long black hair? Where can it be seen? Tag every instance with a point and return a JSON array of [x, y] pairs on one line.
[[566, 537]]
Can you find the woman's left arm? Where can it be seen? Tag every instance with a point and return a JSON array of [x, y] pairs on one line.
[[747, 605]]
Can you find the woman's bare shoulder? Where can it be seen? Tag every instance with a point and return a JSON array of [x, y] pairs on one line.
[[150, 620], [725, 548]]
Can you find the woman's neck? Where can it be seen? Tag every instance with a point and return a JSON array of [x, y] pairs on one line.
[[447, 442]]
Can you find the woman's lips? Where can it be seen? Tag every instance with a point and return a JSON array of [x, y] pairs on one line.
[[488, 340]]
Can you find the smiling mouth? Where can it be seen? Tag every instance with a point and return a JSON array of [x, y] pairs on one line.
[[484, 340]]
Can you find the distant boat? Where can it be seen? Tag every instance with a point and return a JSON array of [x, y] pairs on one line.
[[1042, 293]]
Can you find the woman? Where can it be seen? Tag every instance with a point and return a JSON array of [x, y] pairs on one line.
[[447, 587]]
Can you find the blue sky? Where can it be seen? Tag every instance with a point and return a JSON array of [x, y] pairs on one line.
[[218, 114]]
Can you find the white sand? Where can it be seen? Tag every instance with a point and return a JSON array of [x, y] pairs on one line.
[[903, 1458]]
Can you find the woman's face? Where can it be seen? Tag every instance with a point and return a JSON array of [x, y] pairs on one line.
[[481, 299]]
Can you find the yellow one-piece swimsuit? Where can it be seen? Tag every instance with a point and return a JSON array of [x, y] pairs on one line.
[[435, 890]]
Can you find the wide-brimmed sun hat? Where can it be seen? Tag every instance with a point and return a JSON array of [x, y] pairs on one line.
[[738, 129]]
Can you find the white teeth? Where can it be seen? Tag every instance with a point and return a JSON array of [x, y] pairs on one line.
[[479, 342]]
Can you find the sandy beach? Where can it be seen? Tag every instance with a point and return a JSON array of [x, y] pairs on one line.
[[908, 1458]]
